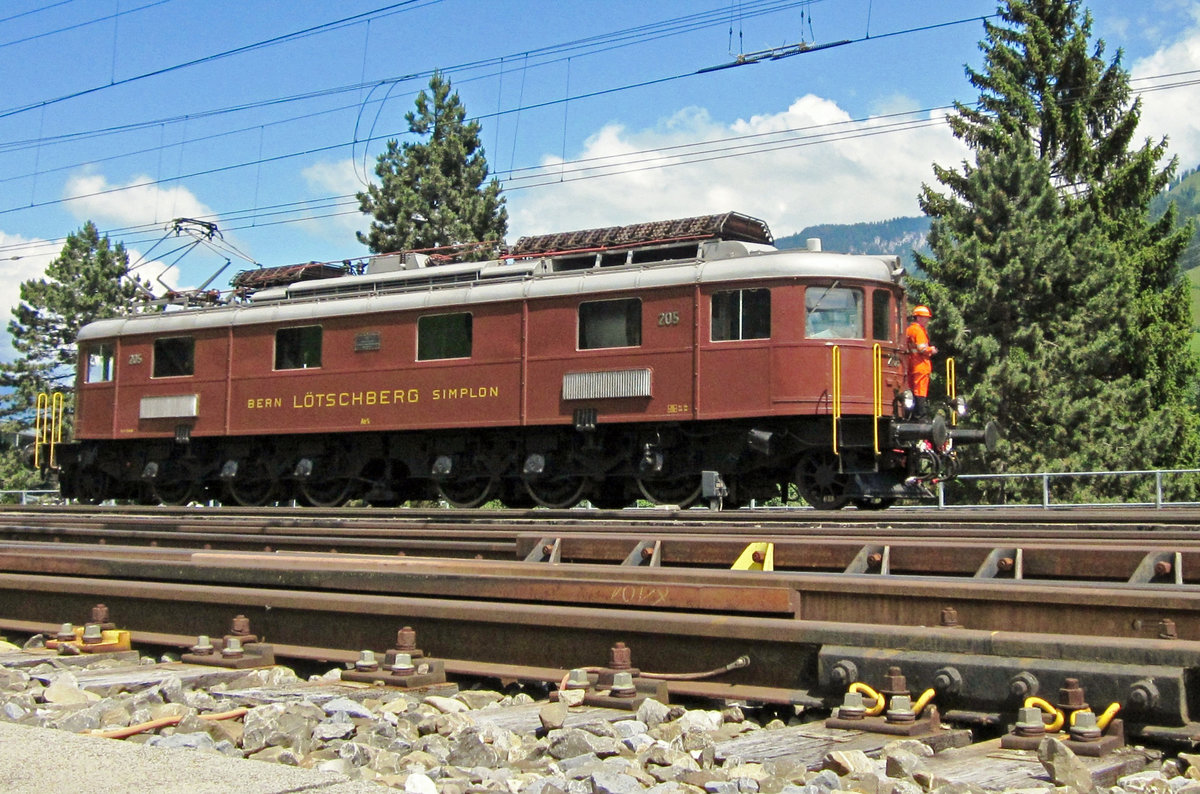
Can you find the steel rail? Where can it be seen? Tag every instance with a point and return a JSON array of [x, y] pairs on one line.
[[980, 670], [1138, 516]]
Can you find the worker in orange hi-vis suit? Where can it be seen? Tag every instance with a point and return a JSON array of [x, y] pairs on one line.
[[920, 359]]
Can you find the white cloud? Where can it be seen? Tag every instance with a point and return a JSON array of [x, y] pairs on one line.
[[21, 259], [1173, 112], [341, 178], [90, 196], [810, 163]]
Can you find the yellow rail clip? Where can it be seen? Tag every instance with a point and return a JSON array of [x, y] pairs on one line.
[[756, 557]]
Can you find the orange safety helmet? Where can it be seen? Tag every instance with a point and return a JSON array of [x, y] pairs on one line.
[[922, 311]]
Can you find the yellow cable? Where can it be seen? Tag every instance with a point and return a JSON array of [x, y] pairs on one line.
[[923, 701], [1059, 717], [1104, 719], [863, 689]]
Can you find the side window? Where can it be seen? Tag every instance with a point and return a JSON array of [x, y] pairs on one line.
[[444, 336], [741, 314], [833, 312], [881, 314], [174, 357], [612, 323], [101, 363], [298, 348]]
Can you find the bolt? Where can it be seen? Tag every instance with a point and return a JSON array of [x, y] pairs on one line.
[[1029, 722], [203, 646], [402, 664], [900, 709], [758, 557], [620, 658], [894, 683], [1071, 696], [947, 680], [240, 625], [1167, 630], [547, 549], [1022, 685], [366, 661], [844, 673], [1163, 568], [874, 560], [92, 634], [578, 679], [647, 552], [1005, 564], [852, 707], [66, 633], [406, 639], [233, 649], [622, 686], [1143, 694], [1085, 728], [100, 614], [950, 617]]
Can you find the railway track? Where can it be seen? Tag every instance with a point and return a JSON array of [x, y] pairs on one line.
[[986, 612]]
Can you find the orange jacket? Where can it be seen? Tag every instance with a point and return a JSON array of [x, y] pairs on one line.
[[920, 358]]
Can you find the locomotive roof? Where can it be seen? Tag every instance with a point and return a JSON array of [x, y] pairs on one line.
[[463, 285]]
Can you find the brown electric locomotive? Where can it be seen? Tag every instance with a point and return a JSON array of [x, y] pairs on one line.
[[668, 361]]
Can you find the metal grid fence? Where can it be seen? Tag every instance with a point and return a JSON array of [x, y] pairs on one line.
[[1163, 479]]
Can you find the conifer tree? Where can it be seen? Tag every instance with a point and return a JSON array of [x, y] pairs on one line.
[[88, 280], [434, 192], [1051, 284]]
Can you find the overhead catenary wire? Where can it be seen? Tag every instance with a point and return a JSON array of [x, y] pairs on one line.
[[526, 177]]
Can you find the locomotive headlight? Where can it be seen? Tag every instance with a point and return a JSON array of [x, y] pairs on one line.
[[959, 406], [907, 401]]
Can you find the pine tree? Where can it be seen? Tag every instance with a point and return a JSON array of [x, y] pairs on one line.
[[432, 192], [1051, 284], [88, 280]]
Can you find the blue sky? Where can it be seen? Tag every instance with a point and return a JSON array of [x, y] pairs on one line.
[[264, 117]]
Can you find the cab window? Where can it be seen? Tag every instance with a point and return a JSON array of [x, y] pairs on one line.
[[741, 314], [881, 315], [611, 323], [444, 336], [174, 357], [298, 348], [101, 363], [833, 312]]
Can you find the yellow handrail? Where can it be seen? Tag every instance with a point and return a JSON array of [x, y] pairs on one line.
[[877, 388], [43, 401], [951, 390], [47, 427], [837, 394]]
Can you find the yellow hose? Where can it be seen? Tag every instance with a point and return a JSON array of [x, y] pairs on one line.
[[1107, 717], [863, 689], [923, 701], [1059, 717]]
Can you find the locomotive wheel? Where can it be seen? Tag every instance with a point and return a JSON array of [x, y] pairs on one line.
[[874, 503], [175, 492], [682, 490], [556, 492], [821, 483], [333, 492], [253, 486], [180, 485], [468, 492], [92, 486]]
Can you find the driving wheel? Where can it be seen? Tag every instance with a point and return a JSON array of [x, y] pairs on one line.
[[821, 481]]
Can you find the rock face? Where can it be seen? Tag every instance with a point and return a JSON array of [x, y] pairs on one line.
[[480, 741]]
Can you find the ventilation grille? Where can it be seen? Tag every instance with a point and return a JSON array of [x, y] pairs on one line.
[[182, 405], [606, 385]]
